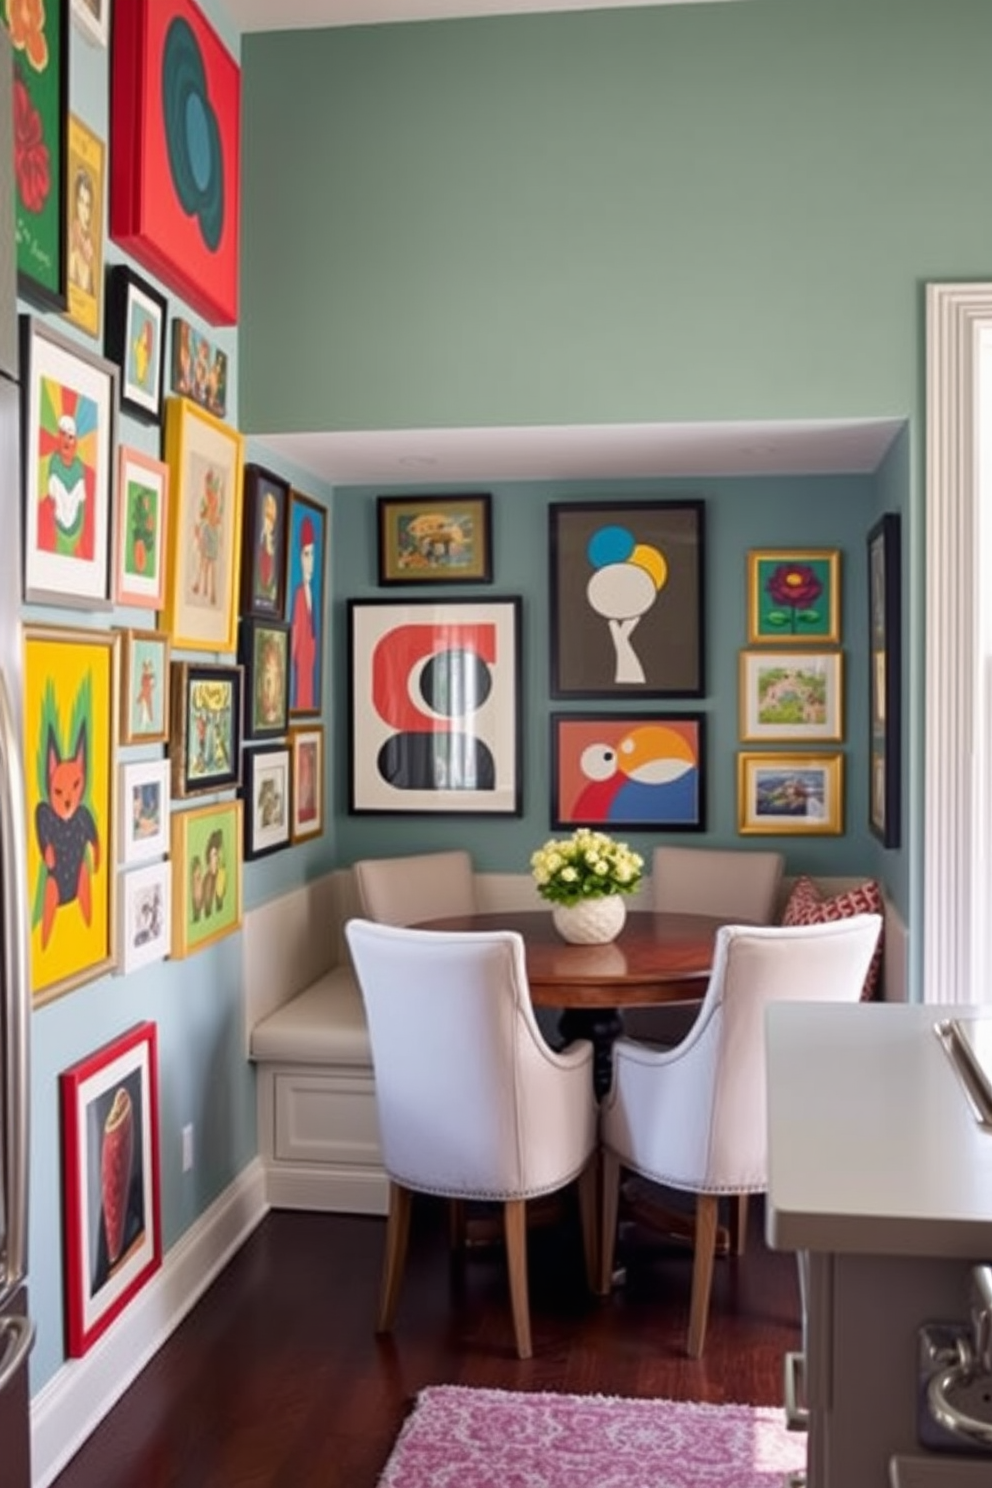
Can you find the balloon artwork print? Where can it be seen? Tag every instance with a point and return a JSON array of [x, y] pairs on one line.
[[627, 577]]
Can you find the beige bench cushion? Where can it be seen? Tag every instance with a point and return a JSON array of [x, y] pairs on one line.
[[323, 1024]]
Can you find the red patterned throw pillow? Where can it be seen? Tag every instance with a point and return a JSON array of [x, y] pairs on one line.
[[807, 906]]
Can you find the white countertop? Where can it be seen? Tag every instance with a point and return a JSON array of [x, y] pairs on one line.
[[873, 1147]]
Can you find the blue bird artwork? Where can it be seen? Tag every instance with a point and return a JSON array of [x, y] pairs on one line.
[[640, 774]]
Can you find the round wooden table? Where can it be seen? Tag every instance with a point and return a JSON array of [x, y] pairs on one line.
[[656, 958]]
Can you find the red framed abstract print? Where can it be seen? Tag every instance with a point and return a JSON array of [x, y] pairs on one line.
[[174, 178]]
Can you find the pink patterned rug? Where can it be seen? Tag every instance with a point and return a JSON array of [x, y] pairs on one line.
[[462, 1438]]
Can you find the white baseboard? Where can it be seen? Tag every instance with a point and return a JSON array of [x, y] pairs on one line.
[[289, 1186], [75, 1400]]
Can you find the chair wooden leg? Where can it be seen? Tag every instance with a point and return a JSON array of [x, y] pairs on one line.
[[702, 1271], [609, 1198], [397, 1235], [589, 1218], [457, 1224], [515, 1227], [738, 1223]]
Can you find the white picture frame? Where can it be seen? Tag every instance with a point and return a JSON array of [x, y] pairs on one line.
[[144, 916], [92, 18], [143, 800]]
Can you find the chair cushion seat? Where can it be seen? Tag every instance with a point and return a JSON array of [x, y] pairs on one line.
[[807, 906], [323, 1024]]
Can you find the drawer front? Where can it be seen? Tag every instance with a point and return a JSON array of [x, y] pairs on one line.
[[324, 1118]]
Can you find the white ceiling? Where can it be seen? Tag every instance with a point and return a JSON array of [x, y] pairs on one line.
[[288, 15]]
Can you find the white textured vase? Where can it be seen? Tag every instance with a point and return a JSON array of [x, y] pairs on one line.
[[591, 921]]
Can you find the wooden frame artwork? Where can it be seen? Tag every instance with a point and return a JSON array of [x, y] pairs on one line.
[[69, 411], [435, 707], [144, 915], [307, 745], [435, 539], [175, 125], [790, 794], [199, 368], [142, 525], [112, 1227], [268, 798], [885, 679], [263, 551], [629, 771], [792, 696], [626, 586], [144, 687], [793, 597], [142, 811], [265, 658], [40, 39], [70, 739], [205, 459], [306, 599], [135, 340], [206, 875], [93, 20], [205, 747], [84, 228]]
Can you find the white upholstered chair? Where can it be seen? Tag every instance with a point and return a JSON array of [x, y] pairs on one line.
[[472, 1102], [423, 886], [693, 1118]]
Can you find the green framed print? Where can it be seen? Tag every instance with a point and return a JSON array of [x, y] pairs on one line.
[[142, 516], [206, 875], [205, 744], [793, 597], [265, 658], [435, 540], [39, 35]]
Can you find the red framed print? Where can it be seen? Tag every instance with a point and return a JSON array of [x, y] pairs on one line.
[[174, 158], [112, 1227], [642, 771], [142, 526]]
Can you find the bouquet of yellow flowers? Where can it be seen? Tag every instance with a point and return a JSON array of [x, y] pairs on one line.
[[587, 865]]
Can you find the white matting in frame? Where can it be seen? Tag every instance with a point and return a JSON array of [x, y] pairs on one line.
[[143, 810], [145, 915]]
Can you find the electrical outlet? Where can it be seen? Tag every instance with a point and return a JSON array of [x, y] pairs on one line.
[[187, 1148]]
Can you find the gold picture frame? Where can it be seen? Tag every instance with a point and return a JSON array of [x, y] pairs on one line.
[[790, 795], [792, 697], [207, 863], [205, 457], [793, 597], [84, 228]]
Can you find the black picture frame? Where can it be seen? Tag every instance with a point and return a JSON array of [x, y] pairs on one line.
[[39, 221], [267, 794], [264, 654], [206, 713], [134, 338], [885, 680], [627, 610], [264, 528], [599, 762]]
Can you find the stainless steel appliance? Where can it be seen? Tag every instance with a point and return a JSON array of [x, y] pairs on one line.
[[16, 1329]]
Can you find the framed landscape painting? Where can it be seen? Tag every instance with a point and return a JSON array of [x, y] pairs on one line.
[[435, 539], [206, 875], [790, 794], [636, 771], [627, 610], [792, 696], [793, 596]]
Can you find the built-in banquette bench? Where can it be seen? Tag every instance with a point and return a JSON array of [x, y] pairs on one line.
[[305, 1031]]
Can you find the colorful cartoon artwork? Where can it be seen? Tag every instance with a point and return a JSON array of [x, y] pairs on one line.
[[793, 597], [66, 454], [146, 701], [308, 523], [635, 771], [207, 536], [206, 866], [199, 369], [211, 726], [39, 36]]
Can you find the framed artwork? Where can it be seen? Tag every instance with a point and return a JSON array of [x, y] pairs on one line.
[[144, 687], [267, 794], [435, 540], [70, 739], [263, 551], [175, 96], [885, 679], [265, 657], [435, 707], [142, 514], [307, 747], [306, 565], [84, 228], [205, 459], [199, 369], [142, 811], [112, 1228], [792, 696], [627, 599], [93, 19], [144, 915], [206, 875], [205, 747], [790, 794], [69, 442], [638, 771], [40, 39], [135, 340], [793, 597]]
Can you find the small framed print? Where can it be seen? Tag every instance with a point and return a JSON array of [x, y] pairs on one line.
[[435, 540], [143, 811], [142, 516], [638, 771], [307, 745], [265, 658], [112, 1227], [790, 794], [199, 369], [884, 679], [793, 597], [145, 915], [205, 744], [792, 696], [93, 19], [135, 340], [306, 568], [206, 875], [144, 686], [267, 794], [263, 553], [84, 228]]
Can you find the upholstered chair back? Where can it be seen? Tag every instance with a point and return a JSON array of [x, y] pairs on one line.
[[731, 883], [423, 886]]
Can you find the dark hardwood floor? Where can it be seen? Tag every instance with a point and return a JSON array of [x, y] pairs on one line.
[[276, 1380]]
